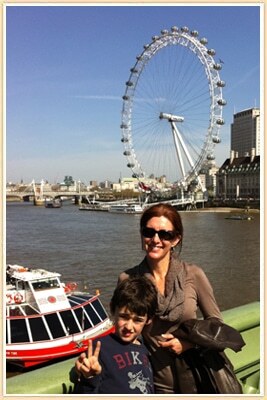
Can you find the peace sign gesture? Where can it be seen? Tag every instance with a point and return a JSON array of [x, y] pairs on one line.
[[89, 366]]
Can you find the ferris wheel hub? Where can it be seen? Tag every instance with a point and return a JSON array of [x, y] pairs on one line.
[[171, 117]]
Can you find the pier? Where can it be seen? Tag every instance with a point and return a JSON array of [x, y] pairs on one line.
[[186, 202]]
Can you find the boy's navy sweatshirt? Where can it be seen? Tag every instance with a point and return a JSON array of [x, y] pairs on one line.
[[125, 369]]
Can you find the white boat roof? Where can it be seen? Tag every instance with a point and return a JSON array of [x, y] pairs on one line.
[[28, 274]]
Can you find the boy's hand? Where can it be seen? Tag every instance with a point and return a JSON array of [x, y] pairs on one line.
[[88, 364]]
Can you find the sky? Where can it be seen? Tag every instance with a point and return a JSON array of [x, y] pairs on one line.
[[66, 68]]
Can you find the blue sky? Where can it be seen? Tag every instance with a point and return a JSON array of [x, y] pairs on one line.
[[66, 68]]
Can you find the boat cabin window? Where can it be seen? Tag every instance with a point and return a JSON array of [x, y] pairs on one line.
[[69, 322], [54, 325], [38, 329], [29, 310], [46, 284], [82, 318], [99, 309], [15, 283], [19, 333], [18, 329], [20, 285], [92, 314]]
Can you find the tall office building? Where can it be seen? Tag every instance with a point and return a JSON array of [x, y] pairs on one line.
[[245, 132]]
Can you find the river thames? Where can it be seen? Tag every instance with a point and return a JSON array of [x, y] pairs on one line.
[[92, 248]]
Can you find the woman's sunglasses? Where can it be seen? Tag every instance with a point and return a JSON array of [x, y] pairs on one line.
[[162, 234]]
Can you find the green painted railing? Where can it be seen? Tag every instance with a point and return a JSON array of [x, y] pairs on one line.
[[246, 319], [55, 379]]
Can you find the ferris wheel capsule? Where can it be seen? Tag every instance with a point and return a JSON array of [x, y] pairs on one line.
[[194, 33], [217, 66], [210, 157], [211, 52], [129, 83], [221, 102], [204, 41], [221, 84]]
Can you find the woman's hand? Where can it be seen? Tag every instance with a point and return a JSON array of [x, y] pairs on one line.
[[88, 364], [172, 343]]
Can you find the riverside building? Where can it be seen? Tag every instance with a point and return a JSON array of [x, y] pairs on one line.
[[245, 132], [239, 178]]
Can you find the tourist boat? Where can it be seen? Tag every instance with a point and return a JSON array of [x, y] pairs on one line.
[[47, 319], [243, 216], [55, 203], [126, 208], [240, 217], [93, 207]]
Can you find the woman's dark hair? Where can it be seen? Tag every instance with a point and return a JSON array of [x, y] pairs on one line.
[[138, 294], [167, 211]]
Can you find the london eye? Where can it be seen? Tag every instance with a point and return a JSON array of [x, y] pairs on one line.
[[172, 108]]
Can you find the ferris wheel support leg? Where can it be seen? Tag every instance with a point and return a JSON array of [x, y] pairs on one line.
[[178, 137], [178, 149]]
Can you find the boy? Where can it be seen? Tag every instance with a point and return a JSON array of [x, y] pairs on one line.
[[118, 363]]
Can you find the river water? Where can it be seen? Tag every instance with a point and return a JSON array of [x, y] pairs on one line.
[[92, 248]]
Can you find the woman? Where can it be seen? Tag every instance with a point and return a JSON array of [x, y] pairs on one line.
[[183, 288]]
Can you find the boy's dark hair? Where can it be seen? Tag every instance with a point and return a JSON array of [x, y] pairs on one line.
[[138, 294]]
